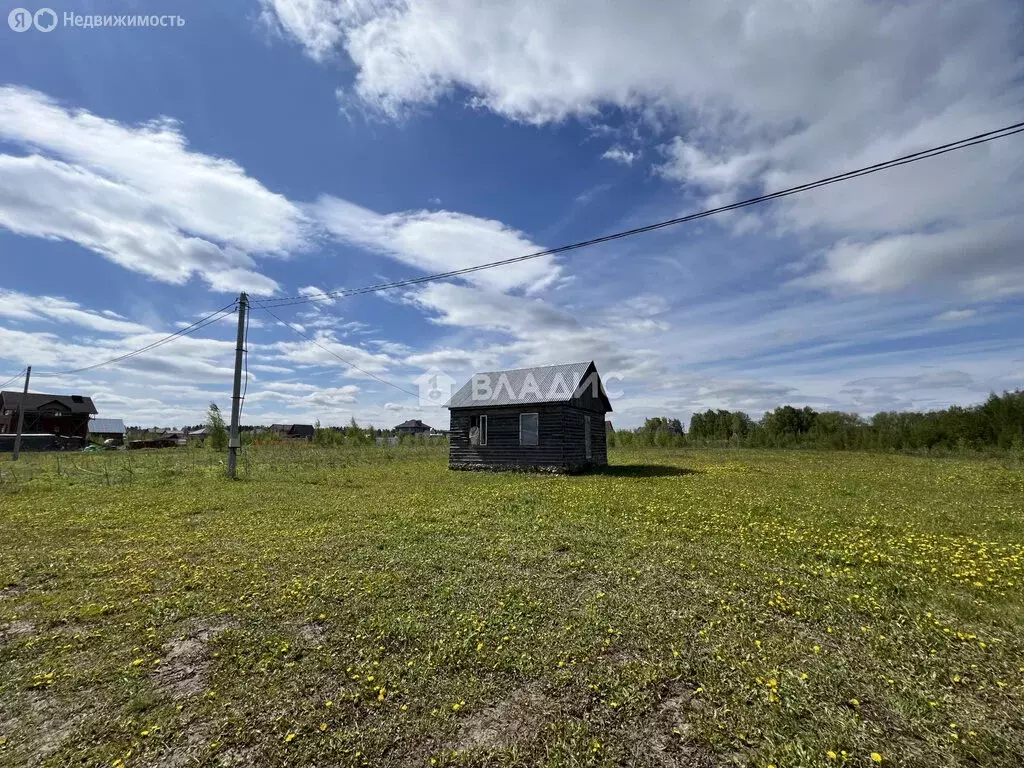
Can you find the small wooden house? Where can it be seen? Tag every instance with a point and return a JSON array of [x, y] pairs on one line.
[[550, 418]]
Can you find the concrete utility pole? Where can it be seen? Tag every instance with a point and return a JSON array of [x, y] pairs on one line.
[[21, 415], [234, 443]]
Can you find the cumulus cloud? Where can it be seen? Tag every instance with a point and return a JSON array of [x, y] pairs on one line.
[[440, 241], [190, 357], [758, 94], [326, 352], [21, 306], [137, 195], [140, 197], [622, 156], [981, 261]]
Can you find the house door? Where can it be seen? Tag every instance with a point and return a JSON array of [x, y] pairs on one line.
[[586, 436]]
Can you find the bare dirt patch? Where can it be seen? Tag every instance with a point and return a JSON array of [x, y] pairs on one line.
[[670, 740], [12, 591], [185, 668], [37, 726], [312, 634], [16, 629], [513, 721]]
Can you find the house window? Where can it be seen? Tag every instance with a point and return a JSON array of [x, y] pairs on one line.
[[478, 430], [529, 428]]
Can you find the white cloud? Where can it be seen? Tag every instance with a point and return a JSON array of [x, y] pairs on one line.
[[189, 357], [201, 194], [319, 294], [543, 62], [980, 261], [758, 94], [954, 315], [316, 23], [315, 398], [619, 155], [440, 241], [21, 306], [487, 309], [690, 164], [454, 359], [306, 353], [138, 195]]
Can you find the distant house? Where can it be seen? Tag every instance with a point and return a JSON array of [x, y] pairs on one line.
[[413, 427], [294, 431], [107, 429], [197, 435], [550, 418], [63, 415]]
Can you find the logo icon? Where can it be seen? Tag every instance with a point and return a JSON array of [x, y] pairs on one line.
[[435, 387], [45, 19], [20, 20]]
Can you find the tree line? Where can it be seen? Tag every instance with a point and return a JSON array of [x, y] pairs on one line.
[[997, 423]]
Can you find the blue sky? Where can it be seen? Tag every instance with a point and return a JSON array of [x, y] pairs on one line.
[[284, 146]]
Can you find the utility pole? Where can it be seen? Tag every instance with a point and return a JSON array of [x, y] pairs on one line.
[[21, 414], [234, 443]]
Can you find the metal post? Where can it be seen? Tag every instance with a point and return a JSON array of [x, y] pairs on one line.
[[234, 443], [21, 414]]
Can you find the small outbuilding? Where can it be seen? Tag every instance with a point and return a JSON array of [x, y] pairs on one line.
[[550, 418], [101, 430]]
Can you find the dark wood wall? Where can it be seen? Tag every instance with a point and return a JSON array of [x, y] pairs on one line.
[[574, 431], [503, 436], [560, 441]]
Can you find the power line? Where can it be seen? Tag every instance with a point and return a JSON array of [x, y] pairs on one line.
[[16, 376], [335, 354], [942, 149], [209, 319]]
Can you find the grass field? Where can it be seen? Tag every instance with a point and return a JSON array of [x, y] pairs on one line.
[[339, 608]]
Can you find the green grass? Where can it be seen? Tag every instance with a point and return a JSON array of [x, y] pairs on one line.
[[369, 607]]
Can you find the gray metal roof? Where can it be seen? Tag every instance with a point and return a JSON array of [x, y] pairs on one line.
[[106, 426], [522, 386]]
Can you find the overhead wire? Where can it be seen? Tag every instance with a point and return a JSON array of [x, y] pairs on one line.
[[330, 351], [13, 378], [198, 325], [925, 154], [266, 304]]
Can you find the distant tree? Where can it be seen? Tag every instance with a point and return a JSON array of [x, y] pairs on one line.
[[217, 439], [787, 420], [354, 434], [998, 423], [720, 425], [660, 431]]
